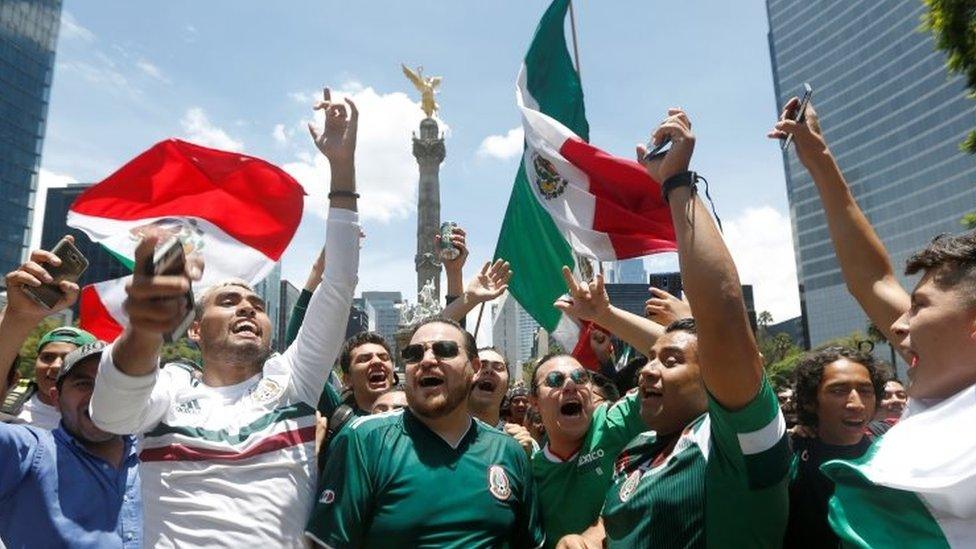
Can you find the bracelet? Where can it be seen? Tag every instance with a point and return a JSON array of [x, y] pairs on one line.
[[348, 194], [683, 179]]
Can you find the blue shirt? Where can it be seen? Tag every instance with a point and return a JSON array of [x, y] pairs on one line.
[[54, 493]]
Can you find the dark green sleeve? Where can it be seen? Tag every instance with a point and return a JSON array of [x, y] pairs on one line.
[[342, 510], [297, 317], [329, 401], [528, 522]]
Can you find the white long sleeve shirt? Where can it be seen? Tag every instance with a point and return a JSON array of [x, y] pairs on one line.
[[235, 466]]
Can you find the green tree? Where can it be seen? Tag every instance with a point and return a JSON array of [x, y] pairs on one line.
[[969, 220], [181, 348], [953, 23]]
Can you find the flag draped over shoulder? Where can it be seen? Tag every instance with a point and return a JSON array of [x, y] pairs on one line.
[[568, 195], [237, 211]]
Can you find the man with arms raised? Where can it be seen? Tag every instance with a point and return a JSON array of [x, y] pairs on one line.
[[429, 475], [918, 482], [713, 472], [229, 460]]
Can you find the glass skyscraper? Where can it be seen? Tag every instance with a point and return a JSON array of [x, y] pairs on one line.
[[892, 117], [28, 34]]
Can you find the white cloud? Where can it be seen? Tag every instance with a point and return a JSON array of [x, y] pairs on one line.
[[386, 172], [301, 97], [72, 30], [279, 135], [503, 147], [152, 70], [760, 240], [46, 179], [198, 129]]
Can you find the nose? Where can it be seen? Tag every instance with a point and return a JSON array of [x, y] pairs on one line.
[[900, 326], [854, 401]]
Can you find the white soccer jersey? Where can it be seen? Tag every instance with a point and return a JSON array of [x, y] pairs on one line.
[[235, 466]]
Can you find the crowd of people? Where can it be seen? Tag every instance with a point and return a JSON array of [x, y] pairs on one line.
[[689, 445]]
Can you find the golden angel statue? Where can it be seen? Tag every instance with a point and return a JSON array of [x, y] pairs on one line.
[[425, 85]]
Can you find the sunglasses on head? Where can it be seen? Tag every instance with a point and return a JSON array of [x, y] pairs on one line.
[[556, 379], [442, 349]]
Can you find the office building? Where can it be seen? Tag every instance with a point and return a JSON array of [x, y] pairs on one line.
[[513, 332], [270, 291], [287, 298], [28, 35], [631, 271], [383, 312], [893, 118]]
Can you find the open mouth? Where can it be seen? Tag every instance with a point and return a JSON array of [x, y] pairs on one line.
[[246, 326], [376, 378], [650, 392], [571, 409], [486, 385], [428, 381]]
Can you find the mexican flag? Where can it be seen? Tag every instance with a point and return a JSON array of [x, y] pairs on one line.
[[237, 211], [917, 485], [569, 196]]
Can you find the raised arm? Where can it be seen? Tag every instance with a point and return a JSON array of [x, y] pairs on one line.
[[863, 260], [317, 344], [22, 314], [489, 283], [730, 363], [453, 267], [589, 301], [301, 306]]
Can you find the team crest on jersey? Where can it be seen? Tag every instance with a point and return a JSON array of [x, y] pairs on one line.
[[328, 496], [498, 483], [266, 391], [550, 183], [630, 485]]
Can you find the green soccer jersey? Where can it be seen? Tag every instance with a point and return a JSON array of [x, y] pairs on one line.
[[724, 484], [571, 492], [392, 482]]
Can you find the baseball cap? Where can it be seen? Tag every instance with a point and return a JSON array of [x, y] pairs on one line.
[[68, 334], [72, 359]]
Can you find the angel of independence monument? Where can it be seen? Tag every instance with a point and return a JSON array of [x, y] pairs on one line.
[[429, 150]]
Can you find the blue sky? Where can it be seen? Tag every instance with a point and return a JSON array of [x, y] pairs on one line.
[[242, 75]]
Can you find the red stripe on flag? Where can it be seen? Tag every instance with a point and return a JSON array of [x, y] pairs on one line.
[[180, 452], [251, 200], [95, 318], [629, 207]]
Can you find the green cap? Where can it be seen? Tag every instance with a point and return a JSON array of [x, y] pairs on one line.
[[68, 334]]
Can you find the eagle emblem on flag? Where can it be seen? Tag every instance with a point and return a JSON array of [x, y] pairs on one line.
[[550, 183]]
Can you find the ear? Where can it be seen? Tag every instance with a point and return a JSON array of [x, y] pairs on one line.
[[475, 364], [193, 332], [54, 395]]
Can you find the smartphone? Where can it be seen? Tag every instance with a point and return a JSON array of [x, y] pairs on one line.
[[73, 264], [654, 152], [801, 112], [669, 282], [169, 259]]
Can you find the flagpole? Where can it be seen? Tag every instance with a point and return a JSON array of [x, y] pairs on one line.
[[572, 26]]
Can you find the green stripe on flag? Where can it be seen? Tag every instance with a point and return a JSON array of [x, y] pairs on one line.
[[129, 263], [529, 239], [280, 414]]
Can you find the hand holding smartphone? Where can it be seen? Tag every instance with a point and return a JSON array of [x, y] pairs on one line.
[[800, 115], [169, 259], [73, 265]]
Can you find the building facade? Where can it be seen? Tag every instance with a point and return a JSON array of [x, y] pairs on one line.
[[270, 291], [383, 312], [28, 35], [287, 298], [893, 119], [513, 332]]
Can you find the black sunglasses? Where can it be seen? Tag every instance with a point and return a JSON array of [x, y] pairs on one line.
[[556, 379], [442, 349]]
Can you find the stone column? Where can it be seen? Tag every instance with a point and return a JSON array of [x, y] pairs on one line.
[[429, 151]]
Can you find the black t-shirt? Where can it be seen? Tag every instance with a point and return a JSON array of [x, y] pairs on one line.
[[810, 491]]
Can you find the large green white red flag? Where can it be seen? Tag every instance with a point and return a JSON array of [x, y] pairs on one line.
[[917, 485], [569, 196], [237, 211]]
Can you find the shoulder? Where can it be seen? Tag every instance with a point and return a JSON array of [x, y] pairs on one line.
[[364, 426]]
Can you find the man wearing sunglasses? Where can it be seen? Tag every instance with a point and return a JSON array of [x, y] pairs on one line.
[[429, 475]]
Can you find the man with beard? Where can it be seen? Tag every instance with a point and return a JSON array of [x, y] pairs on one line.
[[488, 388], [837, 390], [892, 403], [713, 471], [429, 475], [229, 460], [916, 483], [75, 486], [518, 402]]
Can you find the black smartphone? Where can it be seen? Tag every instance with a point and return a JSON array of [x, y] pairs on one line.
[[669, 282], [170, 259], [801, 112], [73, 264], [656, 151]]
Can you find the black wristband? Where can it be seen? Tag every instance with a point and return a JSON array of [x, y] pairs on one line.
[[683, 179], [349, 194]]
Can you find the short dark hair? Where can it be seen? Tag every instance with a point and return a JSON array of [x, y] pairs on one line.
[[495, 350], [538, 366], [809, 373], [362, 338], [682, 325], [606, 386], [470, 347], [951, 259]]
